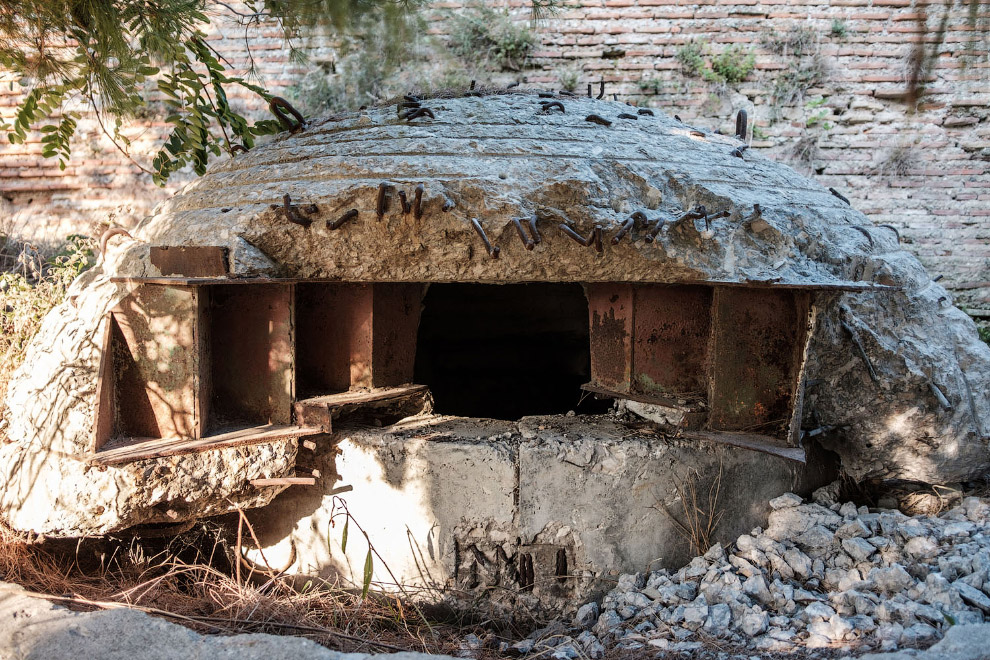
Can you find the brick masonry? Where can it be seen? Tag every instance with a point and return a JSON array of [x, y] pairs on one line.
[[924, 171]]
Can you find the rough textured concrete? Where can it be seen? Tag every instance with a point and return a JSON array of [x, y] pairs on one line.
[[495, 158], [34, 629], [970, 642], [462, 505]]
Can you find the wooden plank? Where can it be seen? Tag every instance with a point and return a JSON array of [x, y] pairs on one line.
[[190, 260], [283, 481], [129, 450], [104, 413]]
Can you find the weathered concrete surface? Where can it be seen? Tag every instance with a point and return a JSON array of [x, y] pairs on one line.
[[494, 159], [35, 629], [969, 642], [454, 505]]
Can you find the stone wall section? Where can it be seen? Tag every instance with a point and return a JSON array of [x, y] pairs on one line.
[[926, 172]]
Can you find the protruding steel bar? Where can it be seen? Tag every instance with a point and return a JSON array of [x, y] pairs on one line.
[[381, 205], [862, 352], [628, 225], [418, 201], [893, 229], [597, 119], [406, 206], [738, 151], [547, 107], [601, 89], [863, 231], [493, 251], [626, 115], [527, 241], [596, 236], [277, 105], [645, 111], [564, 227], [741, 124], [533, 230], [292, 213], [944, 402], [342, 220], [840, 196]]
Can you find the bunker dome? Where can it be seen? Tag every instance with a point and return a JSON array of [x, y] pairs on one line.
[[438, 303]]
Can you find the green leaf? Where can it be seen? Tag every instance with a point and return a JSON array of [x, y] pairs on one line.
[[368, 568], [343, 537]]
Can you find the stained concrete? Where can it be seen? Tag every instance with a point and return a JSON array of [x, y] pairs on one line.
[[461, 506]]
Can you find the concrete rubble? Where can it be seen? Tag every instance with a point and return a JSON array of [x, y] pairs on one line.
[[822, 575]]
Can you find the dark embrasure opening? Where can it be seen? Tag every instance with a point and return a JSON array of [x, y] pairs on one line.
[[505, 351]]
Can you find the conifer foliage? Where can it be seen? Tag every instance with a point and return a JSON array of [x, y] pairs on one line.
[[107, 54]]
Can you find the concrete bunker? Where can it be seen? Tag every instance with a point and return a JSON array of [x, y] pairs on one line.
[[290, 326]]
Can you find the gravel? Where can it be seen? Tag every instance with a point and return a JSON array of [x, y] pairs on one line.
[[822, 575]]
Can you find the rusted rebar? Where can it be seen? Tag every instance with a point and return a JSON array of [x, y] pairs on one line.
[[547, 107], [741, 121], [626, 115], [601, 89], [493, 251], [893, 229], [651, 234], [416, 113], [277, 105], [627, 226], [567, 229], [342, 220], [596, 236], [406, 206], [238, 149], [110, 233], [418, 201], [598, 120], [291, 213], [533, 230], [863, 231], [645, 111], [528, 242], [840, 196], [944, 402], [381, 204], [862, 352], [738, 151]]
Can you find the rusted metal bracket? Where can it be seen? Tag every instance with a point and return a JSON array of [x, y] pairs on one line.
[[277, 105], [493, 251]]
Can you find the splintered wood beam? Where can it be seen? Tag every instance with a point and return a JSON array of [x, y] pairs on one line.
[[284, 481]]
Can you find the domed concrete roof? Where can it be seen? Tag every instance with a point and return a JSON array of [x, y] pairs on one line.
[[502, 157]]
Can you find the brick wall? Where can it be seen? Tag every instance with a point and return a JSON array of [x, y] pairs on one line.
[[925, 172]]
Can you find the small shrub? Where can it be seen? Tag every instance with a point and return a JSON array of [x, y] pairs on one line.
[[30, 287], [797, 41], [838, 29], [731, 65], [985, 334], [897, 162], [569, 79], [483, 32], [651, 85]]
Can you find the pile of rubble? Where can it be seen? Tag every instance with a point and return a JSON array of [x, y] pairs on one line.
[[823, 575]]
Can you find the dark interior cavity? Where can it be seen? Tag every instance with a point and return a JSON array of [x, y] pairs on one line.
[[505, 351]]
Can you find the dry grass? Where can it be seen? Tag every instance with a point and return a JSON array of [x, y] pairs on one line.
[[190, 579], [700, 514]]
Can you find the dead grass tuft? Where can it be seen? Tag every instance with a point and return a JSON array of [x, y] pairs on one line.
[[190, 579], [700, 513]]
